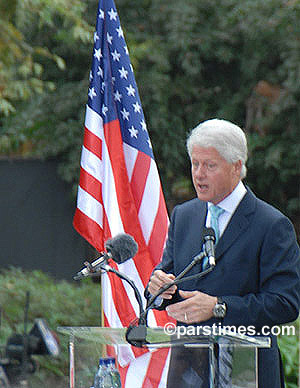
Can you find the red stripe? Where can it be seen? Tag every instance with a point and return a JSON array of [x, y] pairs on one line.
[[155, 368], [127, 208], [122, 303], [139, 177], [89, 229], [90, 184], [92, 143], [159, 231], [123, 374]]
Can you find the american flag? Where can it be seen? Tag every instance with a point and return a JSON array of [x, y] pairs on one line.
[[119, 189]]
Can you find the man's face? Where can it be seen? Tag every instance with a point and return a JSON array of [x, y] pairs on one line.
[[213, 177]]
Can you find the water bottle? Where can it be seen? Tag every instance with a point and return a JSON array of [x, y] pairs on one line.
[[114, 373], [107, 375], [102, 377]]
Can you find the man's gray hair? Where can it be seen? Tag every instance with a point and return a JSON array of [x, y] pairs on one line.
[[227, 138]]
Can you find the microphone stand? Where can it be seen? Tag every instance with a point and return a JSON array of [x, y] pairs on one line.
[[136, 335], [179, 279], [137, 294]]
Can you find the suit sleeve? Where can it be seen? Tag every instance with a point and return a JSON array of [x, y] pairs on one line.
[[277, 299], [166, 265]]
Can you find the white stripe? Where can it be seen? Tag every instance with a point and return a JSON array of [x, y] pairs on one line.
[[109, 195], [150, 202], [151, 319], [91, 164], [137, 371], [129, 268], [94, 122], [130, 154], [125, 353], [90, 206]]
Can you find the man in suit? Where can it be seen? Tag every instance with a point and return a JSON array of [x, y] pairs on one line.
[[256, 281]]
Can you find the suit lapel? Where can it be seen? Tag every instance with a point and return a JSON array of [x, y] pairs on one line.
[[238, 223], [199, 217]]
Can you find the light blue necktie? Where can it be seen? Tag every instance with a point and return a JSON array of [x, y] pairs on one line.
[[215, 212]]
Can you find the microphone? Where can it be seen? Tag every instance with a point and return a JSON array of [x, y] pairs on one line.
[[120, 248], [209, 238]]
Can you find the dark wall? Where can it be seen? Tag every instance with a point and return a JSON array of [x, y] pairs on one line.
[[36, 213]]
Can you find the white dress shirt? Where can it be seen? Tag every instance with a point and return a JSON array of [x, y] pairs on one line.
[[229, 204]]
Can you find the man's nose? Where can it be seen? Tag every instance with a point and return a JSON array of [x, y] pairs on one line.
[[200, 171]]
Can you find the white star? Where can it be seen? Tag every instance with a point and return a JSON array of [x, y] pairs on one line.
[[137, 107], [133, 132], [103, 86], [100, 71], [91, 75], [104, 109], [130, 90], [117, 96], [149, 143], [96, 37], [120, 32], [92, 93], [125, 114], [126, 50], [123, 72], [98, 54], [116, 55], [113, 80], [144, 126], [109, 38], [112, 14], [101, 14]]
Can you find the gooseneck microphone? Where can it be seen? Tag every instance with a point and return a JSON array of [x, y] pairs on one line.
[[209, 238], [208, 252], [120, 248], [123, 247]]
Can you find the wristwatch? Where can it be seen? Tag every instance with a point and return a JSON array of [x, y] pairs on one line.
[[219, 310]]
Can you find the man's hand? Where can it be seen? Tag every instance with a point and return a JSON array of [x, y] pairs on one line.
[[197, 307], [158, 280]]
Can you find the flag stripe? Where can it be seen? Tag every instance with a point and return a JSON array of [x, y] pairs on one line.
[[159, 231], [90, 206], [92, 143], [90, 184], [139, 178], [88, 228], [155, 368], [149, 204], [94, 122]]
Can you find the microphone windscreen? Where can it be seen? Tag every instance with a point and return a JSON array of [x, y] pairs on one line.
[[209, 233], [122, 247]]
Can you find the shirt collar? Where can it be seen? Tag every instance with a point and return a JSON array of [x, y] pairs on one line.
[[231, 202]]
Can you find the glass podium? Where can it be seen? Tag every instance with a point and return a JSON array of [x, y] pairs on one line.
[[216, 359]]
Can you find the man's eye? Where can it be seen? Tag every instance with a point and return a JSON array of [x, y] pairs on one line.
[[211, 166]]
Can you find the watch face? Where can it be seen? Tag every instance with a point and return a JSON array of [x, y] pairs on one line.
[[219, 310]]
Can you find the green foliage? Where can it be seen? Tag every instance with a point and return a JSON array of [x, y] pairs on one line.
[[23, 56], [289, 348], [234, 60], [58, 302]]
